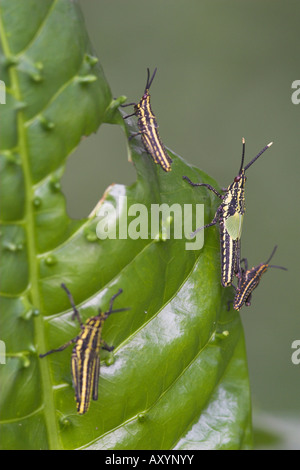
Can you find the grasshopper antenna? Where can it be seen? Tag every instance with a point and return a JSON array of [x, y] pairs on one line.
[[243, 154], [273, 265], [149, 82], [258, 155]]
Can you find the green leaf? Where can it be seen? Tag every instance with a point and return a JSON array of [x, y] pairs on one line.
[[177, 378]]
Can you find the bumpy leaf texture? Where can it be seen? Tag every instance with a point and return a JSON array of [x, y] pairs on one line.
[[177, 378]]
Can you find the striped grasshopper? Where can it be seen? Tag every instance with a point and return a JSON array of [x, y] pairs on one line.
[[85, 361], [230, 216], [249, 280], [147, 125]]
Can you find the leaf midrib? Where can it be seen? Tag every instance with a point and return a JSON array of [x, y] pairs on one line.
[[28, 225]]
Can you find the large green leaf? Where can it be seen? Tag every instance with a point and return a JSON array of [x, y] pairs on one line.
[[177, 378]]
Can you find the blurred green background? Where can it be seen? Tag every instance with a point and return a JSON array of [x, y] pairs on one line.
[[225, 70]]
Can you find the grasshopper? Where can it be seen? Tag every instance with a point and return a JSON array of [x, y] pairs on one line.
[[85, 361], [147, 125], [230, 215], [249, 280]]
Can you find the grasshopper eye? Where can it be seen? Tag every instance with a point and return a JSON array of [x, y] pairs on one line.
[[237, 178]]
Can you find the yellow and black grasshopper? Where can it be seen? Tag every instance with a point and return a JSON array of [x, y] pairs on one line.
[[249, 280], [230, 215], [147, 125], [85, 361]]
